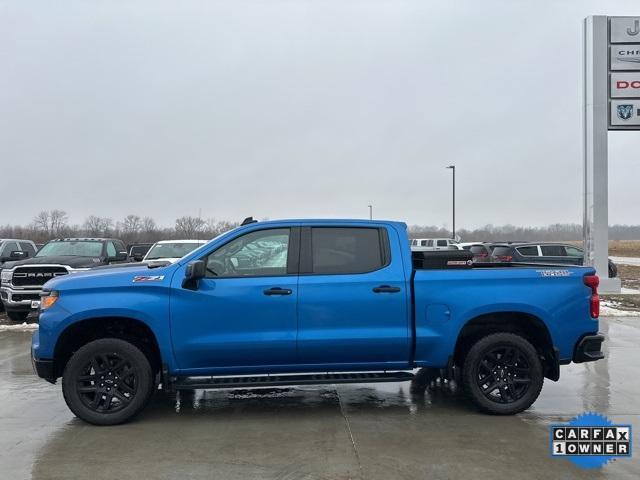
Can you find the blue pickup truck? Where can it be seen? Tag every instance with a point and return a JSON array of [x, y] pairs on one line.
[[302, 302]]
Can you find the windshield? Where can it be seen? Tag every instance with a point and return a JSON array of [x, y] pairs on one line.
[[79, 249], [170, 250]]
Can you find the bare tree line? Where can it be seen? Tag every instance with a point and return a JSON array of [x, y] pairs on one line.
[[557, 232], [133, 228]]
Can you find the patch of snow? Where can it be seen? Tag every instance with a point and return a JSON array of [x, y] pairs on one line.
[[23, 327], [626, 261], [609, 309], [629, 291]]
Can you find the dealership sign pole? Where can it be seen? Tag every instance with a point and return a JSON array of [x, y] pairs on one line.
[[611, 102]]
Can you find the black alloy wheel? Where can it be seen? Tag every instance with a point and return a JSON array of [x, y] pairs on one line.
[[107, 381], [503, 373]]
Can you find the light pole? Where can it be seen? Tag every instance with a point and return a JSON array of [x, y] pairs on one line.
[[370, 212], [453, 169]]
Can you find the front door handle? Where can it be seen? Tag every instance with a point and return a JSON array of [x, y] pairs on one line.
[[386, 289], [278, 291]]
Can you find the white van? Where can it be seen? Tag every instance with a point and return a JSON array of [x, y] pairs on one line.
[[426, 244]]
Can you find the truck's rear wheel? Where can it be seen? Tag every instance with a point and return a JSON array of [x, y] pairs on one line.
[[503, 374], [107, 382]]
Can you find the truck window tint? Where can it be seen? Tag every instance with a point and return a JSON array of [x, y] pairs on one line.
[[346, 250], [8, 248], [530, 251], [574, 252], [442, 243], [261, 253], [27, 247], [553, 251]]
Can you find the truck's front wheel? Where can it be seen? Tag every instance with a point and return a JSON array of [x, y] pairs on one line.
[[107, 381], [503, 373]]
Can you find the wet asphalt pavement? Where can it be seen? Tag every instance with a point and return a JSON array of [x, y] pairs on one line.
[[372, 431]]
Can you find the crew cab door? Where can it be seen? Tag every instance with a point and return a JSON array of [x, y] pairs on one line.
[[242, 316], [353, 303]]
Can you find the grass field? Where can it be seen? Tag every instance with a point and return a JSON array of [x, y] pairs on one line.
[[624, 248], [619, 248]]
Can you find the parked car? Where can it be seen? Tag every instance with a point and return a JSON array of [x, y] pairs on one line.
[[21, 281], [15, 249], [481, 251], [310, 302], [171, 250], [137, 251], [12, 249], [426, 244], [558, 253]]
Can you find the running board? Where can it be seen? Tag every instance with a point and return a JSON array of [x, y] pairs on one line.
[[182, 383]]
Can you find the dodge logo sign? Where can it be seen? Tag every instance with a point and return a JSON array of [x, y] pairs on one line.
[[625, 85]]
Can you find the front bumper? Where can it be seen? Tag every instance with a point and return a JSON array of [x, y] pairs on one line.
[[19, 299], [589, 349]]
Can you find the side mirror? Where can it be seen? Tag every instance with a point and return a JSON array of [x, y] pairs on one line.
[[16, 255], [195, 271]]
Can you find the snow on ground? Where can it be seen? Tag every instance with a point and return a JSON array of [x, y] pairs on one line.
[[635, 261], [609, 309], [22, 327]]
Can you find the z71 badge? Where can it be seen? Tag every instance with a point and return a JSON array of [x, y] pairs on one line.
[[148, 278]]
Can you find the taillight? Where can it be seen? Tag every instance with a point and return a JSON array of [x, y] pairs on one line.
[[592, 281], [504, 258]]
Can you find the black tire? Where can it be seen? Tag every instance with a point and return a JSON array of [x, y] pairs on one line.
[[508, 363], [17, 317], [90, 382]]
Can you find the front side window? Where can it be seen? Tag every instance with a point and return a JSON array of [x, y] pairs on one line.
[[553, 251], [71, 248], [442, 243], [260, 253], [346, 250], [27, 247]]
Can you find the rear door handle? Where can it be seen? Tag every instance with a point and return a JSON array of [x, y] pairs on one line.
[[278, 291], [386, 289]]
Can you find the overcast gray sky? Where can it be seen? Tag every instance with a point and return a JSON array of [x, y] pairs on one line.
[[301, 108]]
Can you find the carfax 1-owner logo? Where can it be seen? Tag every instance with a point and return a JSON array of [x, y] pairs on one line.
[[591, 440]]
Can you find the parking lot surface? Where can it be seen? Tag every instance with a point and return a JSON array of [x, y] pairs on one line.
[[373, 431]]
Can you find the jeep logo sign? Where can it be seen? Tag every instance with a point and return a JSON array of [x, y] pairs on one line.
[[625, 85]]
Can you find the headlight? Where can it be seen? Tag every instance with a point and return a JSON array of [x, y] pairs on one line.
[[6, 275], [48, 299]]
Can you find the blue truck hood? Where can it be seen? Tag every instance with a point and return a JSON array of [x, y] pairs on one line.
[[113, 276]]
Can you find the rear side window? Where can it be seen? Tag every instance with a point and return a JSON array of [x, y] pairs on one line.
[[478, 250], [347, 250], [27, 247], [501, 251], [553, 251], [530, 251]]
